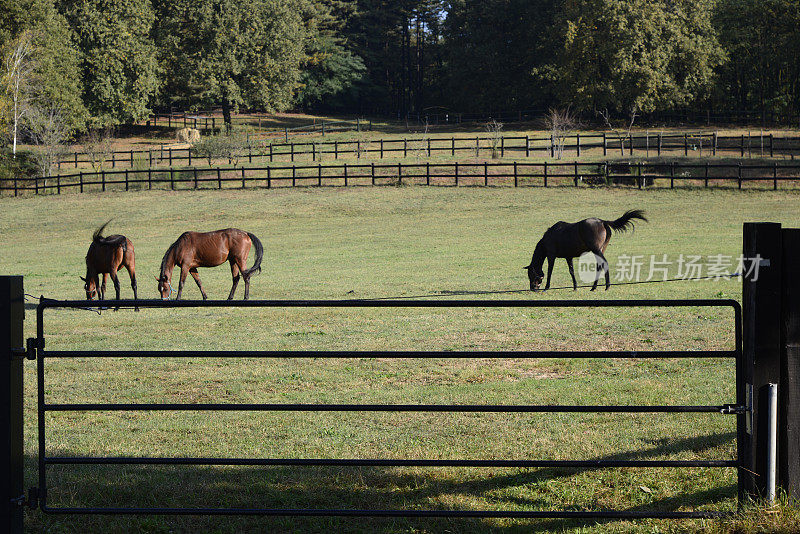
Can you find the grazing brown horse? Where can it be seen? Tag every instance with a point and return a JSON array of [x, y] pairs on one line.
[[106, 255], [570, 240], [209, 249]]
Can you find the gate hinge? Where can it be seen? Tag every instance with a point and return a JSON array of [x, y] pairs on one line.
[[31, 501], [733, 409]]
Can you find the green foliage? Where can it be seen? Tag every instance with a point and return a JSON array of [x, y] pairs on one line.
[[232, 53], [23, 165], [55, 81], [493, 50], [642, 54], [762, 38], [119, 68]]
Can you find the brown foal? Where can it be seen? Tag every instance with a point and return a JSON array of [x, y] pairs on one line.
[[105, 256]]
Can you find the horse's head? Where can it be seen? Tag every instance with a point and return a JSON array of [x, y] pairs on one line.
[[535, 276], [90, 287], [164, 287]]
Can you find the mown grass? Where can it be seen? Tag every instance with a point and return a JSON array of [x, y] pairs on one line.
[[379, 242]]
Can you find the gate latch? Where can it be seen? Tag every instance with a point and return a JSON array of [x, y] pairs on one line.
[[32, 500], [733, 409]]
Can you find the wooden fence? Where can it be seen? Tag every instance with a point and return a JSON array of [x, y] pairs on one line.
[[516, 174], [206, 122], [686, 144]]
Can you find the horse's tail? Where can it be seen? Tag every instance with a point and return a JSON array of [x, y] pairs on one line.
[[256, 268], [626, 221], [98, 234]]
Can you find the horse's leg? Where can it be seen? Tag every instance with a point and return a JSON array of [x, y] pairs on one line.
[[101, 290], [115, 279], [196, 277], [602, 263], [235, 274], [551, 261], [182, 281], [132, 273], [572, 274]]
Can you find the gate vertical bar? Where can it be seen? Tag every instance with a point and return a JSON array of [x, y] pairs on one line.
[[760, 363], [789, 386], [12, 312]]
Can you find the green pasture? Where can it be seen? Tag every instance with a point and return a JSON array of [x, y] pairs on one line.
[[335, 243]]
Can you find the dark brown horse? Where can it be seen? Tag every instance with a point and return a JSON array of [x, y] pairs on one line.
[[570, 240], [106, 255], [209, 249]]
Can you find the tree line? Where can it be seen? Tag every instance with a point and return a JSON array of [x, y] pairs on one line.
[[89, 64]]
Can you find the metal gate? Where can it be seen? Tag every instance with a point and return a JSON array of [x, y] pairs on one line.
[[38, 350]]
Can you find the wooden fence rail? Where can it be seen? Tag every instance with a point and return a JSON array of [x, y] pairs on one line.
[[708, 144], [516, 174]]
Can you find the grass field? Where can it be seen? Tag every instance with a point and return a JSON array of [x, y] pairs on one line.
[[381, 242]]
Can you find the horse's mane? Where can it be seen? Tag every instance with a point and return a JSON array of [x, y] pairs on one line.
[[166, 255]]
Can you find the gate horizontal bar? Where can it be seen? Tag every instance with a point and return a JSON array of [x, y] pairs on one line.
[[386, 354], [308, 407], [391, 303], [520, 514], [345, 462]]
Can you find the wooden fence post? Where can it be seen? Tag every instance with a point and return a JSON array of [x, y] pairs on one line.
[[760, 363], [706, 175], [455, 172], [685, 144], [244, 182], [659, 143], [336, 150], [427, 173], [12, 312], [399, 174], [405, 148], [319, 173], [515, 175], [527, 146], [578, 143], [103, 179], [775, 176], [740, 175], [672, 176], [345, 175], [605, 145], [485, 174], [195, 177], [789, 385], [126, 181], [545, 174], [452, 146], [372, 171]]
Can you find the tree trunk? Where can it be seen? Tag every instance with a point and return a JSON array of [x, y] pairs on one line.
[[226, 114]]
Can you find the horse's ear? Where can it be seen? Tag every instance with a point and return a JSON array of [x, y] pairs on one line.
[[527, 267], [157, 278], [82, 278]]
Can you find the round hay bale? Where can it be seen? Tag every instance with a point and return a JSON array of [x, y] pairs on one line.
[[188, 135]]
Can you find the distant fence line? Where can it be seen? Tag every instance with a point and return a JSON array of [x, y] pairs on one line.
[[207, 123], [440, 116], [705, 144], [517, 174]]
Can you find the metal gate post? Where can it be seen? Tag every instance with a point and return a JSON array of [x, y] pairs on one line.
[[12, 310], [760, 365], [789, 386]]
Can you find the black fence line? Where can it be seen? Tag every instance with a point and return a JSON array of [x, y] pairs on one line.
[[515, 173], [708, 144]]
